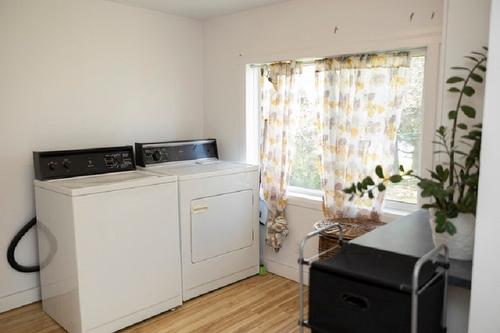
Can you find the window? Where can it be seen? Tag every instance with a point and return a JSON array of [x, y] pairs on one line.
[[305, 164], [409, 135], [305, 175]]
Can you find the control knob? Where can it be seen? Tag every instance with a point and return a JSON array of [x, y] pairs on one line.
[[156, 156], [66, 163], [52, 165]]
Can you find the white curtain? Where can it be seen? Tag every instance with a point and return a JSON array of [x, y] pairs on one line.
[[359, 109], [278, 100]]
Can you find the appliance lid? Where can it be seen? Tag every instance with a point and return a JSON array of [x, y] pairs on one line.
[[202, 169], [103, 183]]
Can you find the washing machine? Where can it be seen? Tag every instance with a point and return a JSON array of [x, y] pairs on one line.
[[218, 211], [108, 236]]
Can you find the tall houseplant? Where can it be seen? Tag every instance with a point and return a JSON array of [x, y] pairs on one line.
[[453, 185]]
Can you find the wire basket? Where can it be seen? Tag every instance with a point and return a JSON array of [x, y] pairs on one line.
[[352, 228]]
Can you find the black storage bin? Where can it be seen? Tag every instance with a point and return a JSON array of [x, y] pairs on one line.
[[365, 290]]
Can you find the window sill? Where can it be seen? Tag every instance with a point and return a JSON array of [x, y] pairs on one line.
[[314, 202], [304, 200]]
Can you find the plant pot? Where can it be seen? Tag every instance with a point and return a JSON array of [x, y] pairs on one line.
[[461, 244]]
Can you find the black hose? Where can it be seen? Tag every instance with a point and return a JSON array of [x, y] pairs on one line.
[[12, 248]]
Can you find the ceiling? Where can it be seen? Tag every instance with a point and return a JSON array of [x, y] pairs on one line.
[[199, 9]]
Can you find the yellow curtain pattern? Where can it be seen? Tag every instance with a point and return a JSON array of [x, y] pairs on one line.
[[278, 100], [359, 108]]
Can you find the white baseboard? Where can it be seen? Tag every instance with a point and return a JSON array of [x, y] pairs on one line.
[[18, 299], [286, 271]]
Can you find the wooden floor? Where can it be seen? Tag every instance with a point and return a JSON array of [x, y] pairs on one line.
[[258, 304]]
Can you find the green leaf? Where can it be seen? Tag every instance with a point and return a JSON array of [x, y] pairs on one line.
[[476, 77], [469, 111], [462, 126], [469, 91], [439, 169], [395, 178], [379, 171], [401, 168], [370, 194], [482, 68], [450, 227], [452, 115], [435, 176], [381, 187], [454, 79], [454, 90], [472, 58], [460, 68], [440, 228], [485, 48], [440, 217], [369, 181]]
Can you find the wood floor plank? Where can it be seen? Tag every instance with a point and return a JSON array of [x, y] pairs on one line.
[[255, 305]]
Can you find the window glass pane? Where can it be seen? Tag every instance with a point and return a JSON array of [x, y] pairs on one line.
[[305, 164], [409, 136]]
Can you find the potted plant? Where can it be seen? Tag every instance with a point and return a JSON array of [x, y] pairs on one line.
[[452, 188]]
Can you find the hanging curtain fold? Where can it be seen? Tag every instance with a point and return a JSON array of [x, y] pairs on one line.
[[278, 100], [359, 108]]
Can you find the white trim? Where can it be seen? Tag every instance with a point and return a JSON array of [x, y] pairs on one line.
[[309, 192], [398, 206], [389, 213], [382, 44], [304, 200], [19, 299], [252, 127], [286, 271], [432, 109]]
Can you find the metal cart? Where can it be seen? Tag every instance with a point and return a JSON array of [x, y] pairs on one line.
[[438, 255]]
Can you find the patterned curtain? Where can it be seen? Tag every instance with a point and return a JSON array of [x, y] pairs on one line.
[[278, 100], [359, 109]]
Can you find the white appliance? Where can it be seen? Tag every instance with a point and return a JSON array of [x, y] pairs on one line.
[[108, 239], [218, 209]]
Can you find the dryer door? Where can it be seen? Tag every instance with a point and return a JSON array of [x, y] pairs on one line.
[[221, 224]]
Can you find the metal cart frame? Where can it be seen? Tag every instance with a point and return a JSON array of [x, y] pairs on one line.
[[443, 262]]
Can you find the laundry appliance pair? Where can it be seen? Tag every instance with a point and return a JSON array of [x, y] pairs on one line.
[[119, 244]]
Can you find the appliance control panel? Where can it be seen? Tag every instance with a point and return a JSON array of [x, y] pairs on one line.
[[82, 162], [175, 151]]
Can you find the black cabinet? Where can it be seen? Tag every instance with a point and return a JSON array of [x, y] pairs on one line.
[[365, 290]]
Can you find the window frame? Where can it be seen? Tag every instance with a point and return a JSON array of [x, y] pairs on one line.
[[431, 101]]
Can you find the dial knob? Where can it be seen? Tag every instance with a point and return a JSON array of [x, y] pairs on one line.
[[156, 156], [66, 163], [52, 165]]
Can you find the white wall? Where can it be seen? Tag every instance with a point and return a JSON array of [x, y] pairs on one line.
[[466, 29], [485, 300], [85, 73], [295, 29]]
